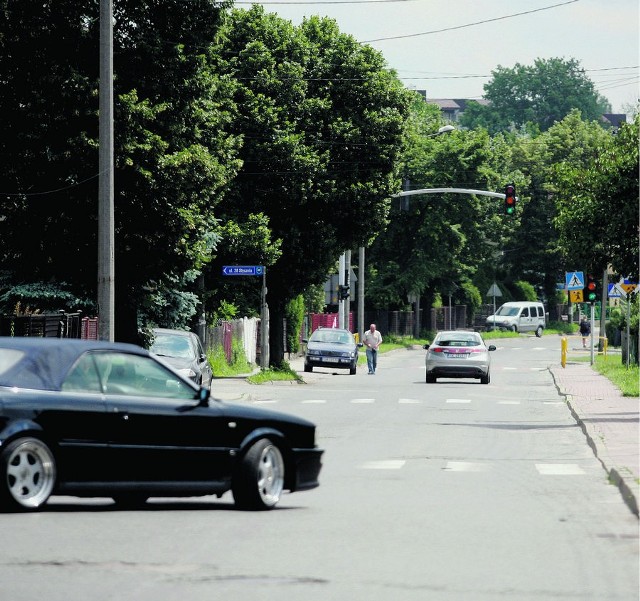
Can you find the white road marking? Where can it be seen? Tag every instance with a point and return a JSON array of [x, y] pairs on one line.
[[508, 402], [386, 464], [363, 401], [408, 401], [315, 401], [458, 400], [465, 466], [265, 402], [559, 469]]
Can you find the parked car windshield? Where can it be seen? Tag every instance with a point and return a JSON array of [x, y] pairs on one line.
[[508, 311], [172, 346]]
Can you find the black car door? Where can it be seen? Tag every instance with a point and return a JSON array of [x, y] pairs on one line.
[[74, 419], [161, 433]]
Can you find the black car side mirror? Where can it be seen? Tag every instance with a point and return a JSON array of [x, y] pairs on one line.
[[491, 347], [426, 347]]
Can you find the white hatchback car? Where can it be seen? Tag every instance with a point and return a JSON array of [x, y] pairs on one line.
[[458, 354]]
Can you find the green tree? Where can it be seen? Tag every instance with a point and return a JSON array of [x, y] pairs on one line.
[[322, 121], [435, 243], [597, 204], [173, 157], [542, 94]]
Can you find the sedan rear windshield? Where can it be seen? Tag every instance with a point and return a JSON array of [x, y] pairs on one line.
[[459, 342]]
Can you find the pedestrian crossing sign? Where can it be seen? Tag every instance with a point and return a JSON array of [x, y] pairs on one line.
[[574, 280]]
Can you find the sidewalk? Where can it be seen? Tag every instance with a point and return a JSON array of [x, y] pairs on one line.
[[610, 422]]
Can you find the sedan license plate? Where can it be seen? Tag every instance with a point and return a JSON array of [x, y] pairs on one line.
[[331, 359], [457, 355]]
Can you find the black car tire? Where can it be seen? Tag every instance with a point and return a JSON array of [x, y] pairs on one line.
[[352, 370], [539, 331], [485, 379], [430, 379], [513, 328], [28, 472], [308, 367], [259, 481]]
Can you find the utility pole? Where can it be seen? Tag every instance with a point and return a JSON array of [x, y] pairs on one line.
[[361, 292], [106, 236], [347, 282]]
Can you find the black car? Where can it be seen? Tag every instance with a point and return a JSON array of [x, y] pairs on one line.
[[94, 419], [184, 352], [331, 347]]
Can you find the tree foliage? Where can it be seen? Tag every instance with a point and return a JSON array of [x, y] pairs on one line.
[[173, 157], [539, 94], [597, 203], [322, 122]]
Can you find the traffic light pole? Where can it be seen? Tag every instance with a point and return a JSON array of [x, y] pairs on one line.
[[593, 327]]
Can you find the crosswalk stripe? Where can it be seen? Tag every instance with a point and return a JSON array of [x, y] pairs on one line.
[[559, 469]]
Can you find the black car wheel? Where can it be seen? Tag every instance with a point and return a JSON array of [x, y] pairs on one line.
[[308, 367], [259, 481], [352, 370], [485, 379], [430, 379], [28, 471], [539, 331]]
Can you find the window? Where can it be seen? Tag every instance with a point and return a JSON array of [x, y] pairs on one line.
[[83, 376], [137, 375]]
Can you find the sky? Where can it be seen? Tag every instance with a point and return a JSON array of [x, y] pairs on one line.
[[449, 48]]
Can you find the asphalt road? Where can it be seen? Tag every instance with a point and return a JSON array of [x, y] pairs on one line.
[[454, 491]]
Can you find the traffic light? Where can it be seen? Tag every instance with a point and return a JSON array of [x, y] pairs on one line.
[[343, 291], [590, 289], [510, 199]]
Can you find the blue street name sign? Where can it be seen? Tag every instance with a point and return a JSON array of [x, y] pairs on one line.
[[243, 270]]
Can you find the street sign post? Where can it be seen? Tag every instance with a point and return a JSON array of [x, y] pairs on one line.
[[256, 270]]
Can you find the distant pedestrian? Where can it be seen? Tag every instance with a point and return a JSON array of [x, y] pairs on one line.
[[372, 339], [585, 330]]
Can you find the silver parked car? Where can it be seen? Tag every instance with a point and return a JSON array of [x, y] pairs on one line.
[[458, 354], [184, 352]]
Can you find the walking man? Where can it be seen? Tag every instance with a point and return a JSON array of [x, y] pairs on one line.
[[372, 339]]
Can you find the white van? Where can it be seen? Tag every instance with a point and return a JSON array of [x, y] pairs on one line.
[[521, 316]]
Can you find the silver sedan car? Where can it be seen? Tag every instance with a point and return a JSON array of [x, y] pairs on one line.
[[458, 354]]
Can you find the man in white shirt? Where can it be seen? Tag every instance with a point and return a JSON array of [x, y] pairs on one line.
[[372, 339]]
